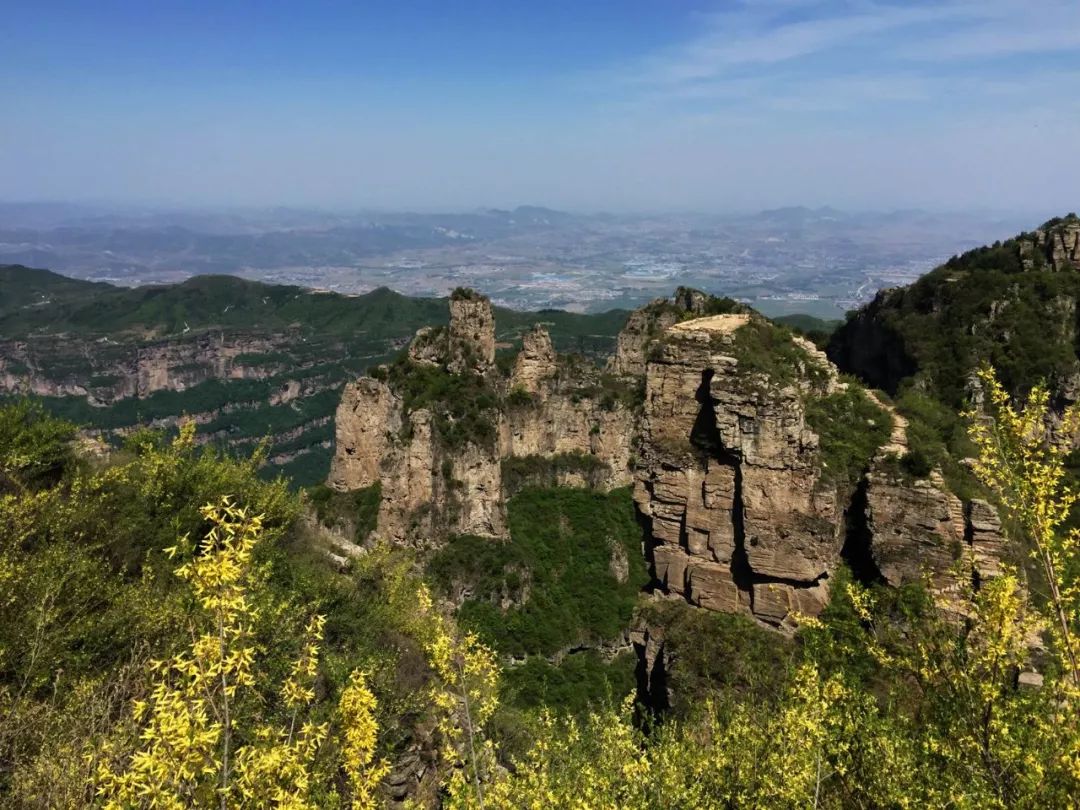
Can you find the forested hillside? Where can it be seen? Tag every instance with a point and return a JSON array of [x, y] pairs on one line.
[[247, 361]]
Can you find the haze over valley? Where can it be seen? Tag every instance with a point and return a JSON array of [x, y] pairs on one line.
[[819, 261]]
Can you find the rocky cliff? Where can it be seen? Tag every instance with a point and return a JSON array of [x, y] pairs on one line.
[[107, 371], [443, 429], [562, 407], [730, 477], [756, 470], [752, 496]]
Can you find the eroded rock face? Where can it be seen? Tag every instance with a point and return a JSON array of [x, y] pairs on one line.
[[112, 371], [471, 333], [429, 347], [730, 481], [1059, 246], [367, 420], [983, 534], [431, 490], [535, 364], [916, 528], [642, 327], [919, 531], [561, 423]]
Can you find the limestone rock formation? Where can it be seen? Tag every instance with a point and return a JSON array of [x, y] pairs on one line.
[[647, 324], [429, 493], [730, 480], [983, 533], [431, 488], [567, 413], [367, 420], [1057, 244], [113, 371], [916, 527], [429, 347], [535, 364], [642, 327], [471, 333]]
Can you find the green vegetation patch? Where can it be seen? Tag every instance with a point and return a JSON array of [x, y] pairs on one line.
[[519, 472], [553, 585], [579, 377], [763, 349], [818, 330], [719, 653], [851, 427], [465, 406], [979, 307], [581, 681], [355, 513]]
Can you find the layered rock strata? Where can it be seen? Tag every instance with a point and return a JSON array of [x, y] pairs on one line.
[[563, 417], [431, 490], [111, 371], [730, 481]]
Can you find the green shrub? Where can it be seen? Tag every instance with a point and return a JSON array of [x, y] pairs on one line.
[[356, 511], [465, 407], [556, 569], [582, 681], [851, 428], [718, 653], [35, 449], [545, 471]]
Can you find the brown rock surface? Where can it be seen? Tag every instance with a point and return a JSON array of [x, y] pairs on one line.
[[431, 490], [916, 528], [535, 364], [471, 333], [367, 419], [730, 479]]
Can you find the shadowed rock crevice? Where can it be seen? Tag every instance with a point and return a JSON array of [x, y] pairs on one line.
[[652, 679], [741, 571], [705, 436], [857, 550]]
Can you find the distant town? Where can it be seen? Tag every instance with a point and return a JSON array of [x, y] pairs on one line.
[[817, 261]]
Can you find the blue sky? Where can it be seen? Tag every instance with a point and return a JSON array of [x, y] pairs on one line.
[[584, 105]]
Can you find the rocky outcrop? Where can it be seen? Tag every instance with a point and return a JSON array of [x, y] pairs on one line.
[[471, 333], [648, 324], [730, 481], [108, 371], [740, 510], [983, 534], [429, 347], [1056, 245], [535, 364], [916, 527], [920, 532], [429, 493], [368, 419], [642, 327], [567, 412], [431, 488]]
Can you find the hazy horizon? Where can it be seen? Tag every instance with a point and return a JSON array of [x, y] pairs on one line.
[[621, 107]]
